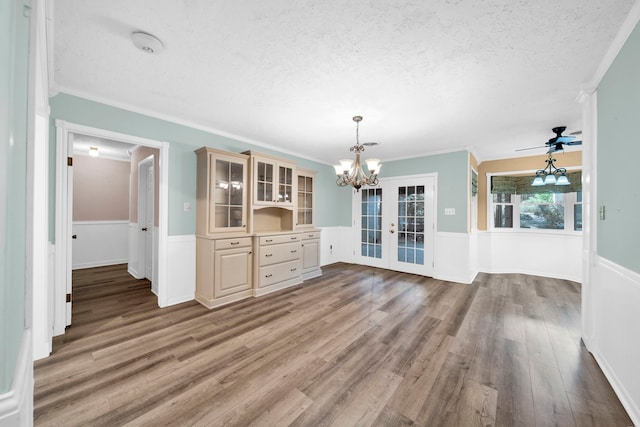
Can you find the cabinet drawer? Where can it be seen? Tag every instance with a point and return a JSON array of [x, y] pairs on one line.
[[240, 242], [280, 238], [274, 254], [279, 272], [310, 235]]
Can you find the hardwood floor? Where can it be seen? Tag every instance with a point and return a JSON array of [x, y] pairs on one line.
[[357, 346]]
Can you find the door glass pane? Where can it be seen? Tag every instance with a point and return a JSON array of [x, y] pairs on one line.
[[371, 222], [411, 224]]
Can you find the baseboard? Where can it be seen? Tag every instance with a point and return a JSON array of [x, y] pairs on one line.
[[533, 273], [102, 263], [16, 405]]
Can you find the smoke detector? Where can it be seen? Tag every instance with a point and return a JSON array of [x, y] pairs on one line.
[[146, 42]]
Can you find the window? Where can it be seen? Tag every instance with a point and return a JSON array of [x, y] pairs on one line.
[[516, 205]]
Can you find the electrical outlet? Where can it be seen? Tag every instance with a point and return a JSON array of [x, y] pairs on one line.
[[187, 207]]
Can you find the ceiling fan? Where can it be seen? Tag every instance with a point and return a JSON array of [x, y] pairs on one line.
[[558, 142]]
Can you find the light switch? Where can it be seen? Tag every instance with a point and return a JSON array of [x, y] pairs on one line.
[[449, 211], [187, 207]]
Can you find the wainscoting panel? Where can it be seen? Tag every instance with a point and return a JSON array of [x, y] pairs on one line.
[[453, 257], [540, 254], [181, 268], [99, 243], [615, 344], [336, 245]]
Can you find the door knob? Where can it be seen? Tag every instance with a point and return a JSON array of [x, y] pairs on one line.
[[144, 228], [75, 236], [392, 231]]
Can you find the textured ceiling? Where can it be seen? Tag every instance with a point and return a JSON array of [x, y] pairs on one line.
[[428, 76]]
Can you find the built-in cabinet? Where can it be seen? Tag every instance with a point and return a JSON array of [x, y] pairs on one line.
[[254, 226]]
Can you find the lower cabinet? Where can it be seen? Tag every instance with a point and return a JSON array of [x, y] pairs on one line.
[[223, 270], [279, 263], [231, 269], [311, 254]]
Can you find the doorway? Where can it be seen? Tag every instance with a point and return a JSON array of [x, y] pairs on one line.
[[62, 299], [395, 224]]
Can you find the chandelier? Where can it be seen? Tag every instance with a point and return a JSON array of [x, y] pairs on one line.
[[551, 174], [353, 174]]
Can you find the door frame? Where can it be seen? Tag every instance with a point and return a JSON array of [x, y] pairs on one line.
[[385, 182], [63, 217]]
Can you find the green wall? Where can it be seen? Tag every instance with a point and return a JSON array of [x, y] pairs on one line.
[[333, 206], [453, 170], [14, 62], [618, 154]]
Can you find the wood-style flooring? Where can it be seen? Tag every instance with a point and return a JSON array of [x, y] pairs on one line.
[[358, 346]]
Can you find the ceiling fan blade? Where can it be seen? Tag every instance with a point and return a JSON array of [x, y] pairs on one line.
[[565, 139], [531, 148], [573, 143]]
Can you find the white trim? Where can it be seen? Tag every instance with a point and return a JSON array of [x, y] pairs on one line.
[[453, 257], [618, 42], [16, 405]]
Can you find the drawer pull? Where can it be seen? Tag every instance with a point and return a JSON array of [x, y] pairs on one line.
[[310, 235], [234, 243], [268, 275], [269, 240], [268, 255], [294, 238], [294, 269], [294, 251]]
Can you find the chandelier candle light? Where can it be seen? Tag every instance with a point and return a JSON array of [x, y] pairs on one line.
[[551, 174], [353, 174]]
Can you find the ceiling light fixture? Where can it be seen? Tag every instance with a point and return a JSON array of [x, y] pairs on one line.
[[551, 174], [352, 174], [93, 151], [146, 42]]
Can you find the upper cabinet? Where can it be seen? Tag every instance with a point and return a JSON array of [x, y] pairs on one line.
[[305, 202], [221, 192], [272, 181]]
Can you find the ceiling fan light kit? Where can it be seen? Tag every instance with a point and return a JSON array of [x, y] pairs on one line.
[[352, 174], [551, 175]]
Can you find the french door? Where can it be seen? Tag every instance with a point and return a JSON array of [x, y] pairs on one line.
[[395, 224]]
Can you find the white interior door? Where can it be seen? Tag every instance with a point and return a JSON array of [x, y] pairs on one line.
[[68, 236], [149, 221], [396, 224], [145, 217]]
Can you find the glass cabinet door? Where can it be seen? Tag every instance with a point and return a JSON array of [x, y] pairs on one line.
[[305, 200], [264, 182], [227, 198], [285, 184]]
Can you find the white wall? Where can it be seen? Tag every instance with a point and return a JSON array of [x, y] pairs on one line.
[[99, 243]]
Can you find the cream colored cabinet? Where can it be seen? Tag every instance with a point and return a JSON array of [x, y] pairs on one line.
[[311, 254], [272, 181], [305, 198], [279, 262], [221, 193], [223, 270]]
